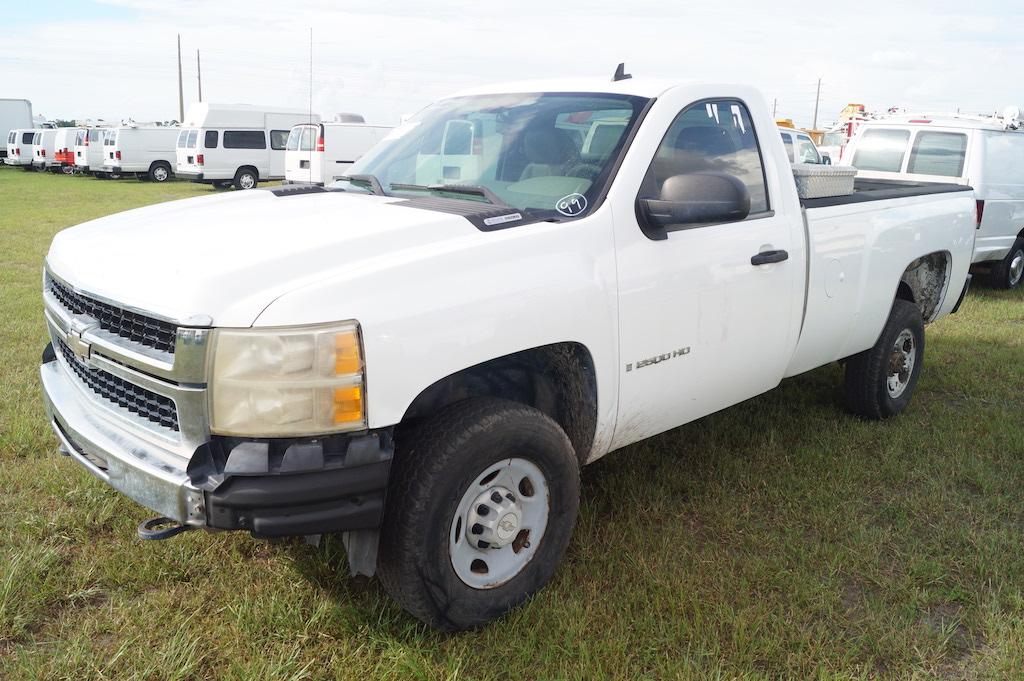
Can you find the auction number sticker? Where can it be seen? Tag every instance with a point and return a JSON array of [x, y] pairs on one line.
[[571, 205]]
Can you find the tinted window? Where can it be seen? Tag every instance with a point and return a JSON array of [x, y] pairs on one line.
[[27, 137], [278, 139], [938, 153], [711, 137], [787, 141], [808, 153], [1004, 158], [210, 139], [244, 139], [882, 150]]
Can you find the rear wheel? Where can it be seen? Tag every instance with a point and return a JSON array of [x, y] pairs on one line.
[[159, 172], [1009, 272], [481, 507], [246, 178], [880, 381]]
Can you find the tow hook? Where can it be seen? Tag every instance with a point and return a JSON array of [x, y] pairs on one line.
[[161, 528]]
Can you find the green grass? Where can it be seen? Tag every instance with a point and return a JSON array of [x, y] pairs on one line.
[[778, 539]]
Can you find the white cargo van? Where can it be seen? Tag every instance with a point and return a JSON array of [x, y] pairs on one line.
[[64, 149], [15, 114], [240, 144], [89, 151], [19, 147], [321, 153], [43, 147], [984, 152], [147, 152]]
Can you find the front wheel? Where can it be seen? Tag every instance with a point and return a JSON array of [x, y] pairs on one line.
[[881, 380], [481, 507], [1009, 272]]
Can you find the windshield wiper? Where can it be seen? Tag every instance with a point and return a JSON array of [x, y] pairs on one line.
[[474, 189], [370, 181]]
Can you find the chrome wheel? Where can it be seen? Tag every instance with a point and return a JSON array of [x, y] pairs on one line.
[[901, 363], [247, 181], [1016, 268], [160, 174], [499, 523]]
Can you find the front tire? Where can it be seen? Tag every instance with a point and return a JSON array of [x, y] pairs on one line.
[[1008, 273], [481, 507], [881, 380], [159, 172]]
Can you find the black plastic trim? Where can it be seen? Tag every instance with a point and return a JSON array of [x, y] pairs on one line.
[[865, 190], [963, 294]]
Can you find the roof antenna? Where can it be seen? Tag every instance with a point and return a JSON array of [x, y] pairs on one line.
[[620, 73]]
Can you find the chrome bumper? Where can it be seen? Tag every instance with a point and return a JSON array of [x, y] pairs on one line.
[[138, 468]]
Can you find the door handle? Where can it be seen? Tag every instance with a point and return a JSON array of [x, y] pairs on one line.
[[768, 257]]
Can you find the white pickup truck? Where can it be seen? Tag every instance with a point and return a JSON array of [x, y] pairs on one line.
[[516, 282]]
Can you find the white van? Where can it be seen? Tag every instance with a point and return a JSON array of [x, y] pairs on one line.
[[15, 114], [147, 152], [240, 144], [43, 148], [19, 147], [64, 149], [983, 152], [321, 153], [89, 150]]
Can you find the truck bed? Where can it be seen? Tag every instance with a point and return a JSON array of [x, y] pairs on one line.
[[877, 190]]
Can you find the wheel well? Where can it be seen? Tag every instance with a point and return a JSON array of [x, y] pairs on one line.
[[255, 172], [557, 379], [154, 164], [924, 281]]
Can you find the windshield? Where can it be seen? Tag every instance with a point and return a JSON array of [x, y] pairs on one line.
[[544, 152]]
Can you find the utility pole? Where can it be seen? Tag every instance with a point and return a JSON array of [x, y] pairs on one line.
[[817, 98], [775, 105], [199, 75], [181, 92]]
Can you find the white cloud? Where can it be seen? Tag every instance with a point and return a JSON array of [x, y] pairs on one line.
[[386, 59]]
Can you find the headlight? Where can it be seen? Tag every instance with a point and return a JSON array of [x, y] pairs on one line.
[[287, 381]]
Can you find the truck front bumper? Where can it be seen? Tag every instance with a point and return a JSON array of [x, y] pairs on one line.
[[270, 488]]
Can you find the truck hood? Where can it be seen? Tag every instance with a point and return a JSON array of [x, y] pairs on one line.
[[223, 259]]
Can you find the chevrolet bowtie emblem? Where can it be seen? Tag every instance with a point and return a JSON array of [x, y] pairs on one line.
[[81, 348]]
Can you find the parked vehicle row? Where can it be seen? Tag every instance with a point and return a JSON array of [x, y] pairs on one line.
[[514, 283]]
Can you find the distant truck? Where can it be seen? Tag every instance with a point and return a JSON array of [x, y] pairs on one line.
[[422, 356], [235, 144], [320, 153], [146, 152], [15, 114], [983, 152]]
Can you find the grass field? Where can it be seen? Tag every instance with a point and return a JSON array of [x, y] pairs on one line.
[[778, 539]]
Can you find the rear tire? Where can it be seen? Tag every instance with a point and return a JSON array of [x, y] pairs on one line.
[[159, 172], [246, 178], [499, 450], [1008, 273], [881, 380]]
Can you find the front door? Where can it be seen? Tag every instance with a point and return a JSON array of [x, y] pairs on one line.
[[702, 325]]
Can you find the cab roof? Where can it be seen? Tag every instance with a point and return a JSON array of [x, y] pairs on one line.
[[639, 87]]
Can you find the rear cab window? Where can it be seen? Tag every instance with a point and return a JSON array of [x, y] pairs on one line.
[[881, 149], [807, 152], [787, 141]]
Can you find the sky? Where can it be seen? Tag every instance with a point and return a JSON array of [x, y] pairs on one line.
[[117, 59]]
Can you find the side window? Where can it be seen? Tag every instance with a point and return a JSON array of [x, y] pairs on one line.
[[808, 152], [711, 137], [245, 139], [278, 139], [787, 141], [938, 153], [882, 150], [210, 139], [27, 137]]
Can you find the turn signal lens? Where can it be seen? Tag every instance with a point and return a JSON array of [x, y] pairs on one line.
[[348, 404]]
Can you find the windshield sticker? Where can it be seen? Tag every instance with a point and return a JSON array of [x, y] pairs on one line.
[[571, 205], [502, 219]]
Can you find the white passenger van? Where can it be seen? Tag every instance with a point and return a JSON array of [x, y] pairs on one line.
[[240, 144], [19, 147], [43, 148], [986, 153], [147, 152], [89, 150], [321, 153]]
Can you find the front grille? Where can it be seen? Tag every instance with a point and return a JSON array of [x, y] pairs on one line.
[[146, 403], [150, 332]]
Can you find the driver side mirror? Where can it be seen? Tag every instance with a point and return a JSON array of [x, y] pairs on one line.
[[694, 199]]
